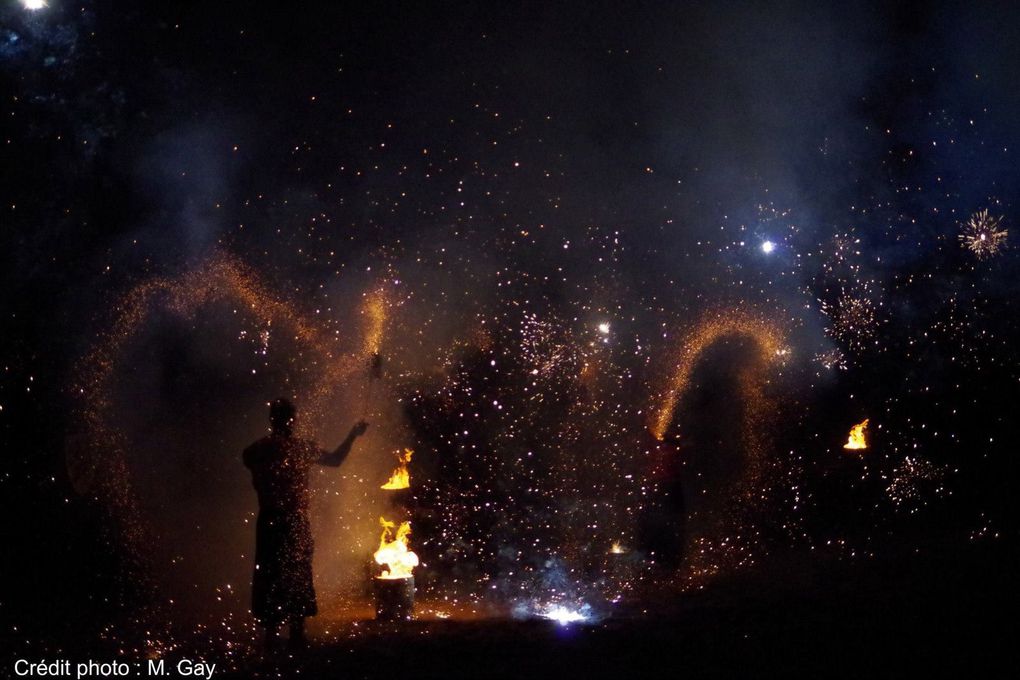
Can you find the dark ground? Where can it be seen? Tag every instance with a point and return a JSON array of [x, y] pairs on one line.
[[935, 613], [930, 608]]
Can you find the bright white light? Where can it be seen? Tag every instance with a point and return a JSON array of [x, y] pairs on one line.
[[33, 4], [604, 328], [562, 615], [767, 247]]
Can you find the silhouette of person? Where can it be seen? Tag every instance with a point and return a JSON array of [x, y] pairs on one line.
[[282, 588], [663, 523]]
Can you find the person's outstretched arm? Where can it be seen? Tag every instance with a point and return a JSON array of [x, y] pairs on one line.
[[338, 456]]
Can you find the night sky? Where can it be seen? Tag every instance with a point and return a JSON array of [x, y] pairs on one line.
[[610, 254]]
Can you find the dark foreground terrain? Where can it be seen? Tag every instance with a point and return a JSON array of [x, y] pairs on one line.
[[948, 612]]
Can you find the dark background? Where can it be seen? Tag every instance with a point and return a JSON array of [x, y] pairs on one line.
[[313, 140]]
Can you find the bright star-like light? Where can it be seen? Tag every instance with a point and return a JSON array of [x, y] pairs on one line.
[[33, 4], [767, 247], [564, 616], [604, 328]]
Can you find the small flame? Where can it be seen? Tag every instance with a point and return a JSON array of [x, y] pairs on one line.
[[401, 478], [393, 551], [857, 440]]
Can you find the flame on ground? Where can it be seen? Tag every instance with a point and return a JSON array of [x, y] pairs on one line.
[[393, 551], [857, 440], [401, 478]]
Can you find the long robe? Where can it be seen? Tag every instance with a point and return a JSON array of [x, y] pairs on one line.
[[282, 587]]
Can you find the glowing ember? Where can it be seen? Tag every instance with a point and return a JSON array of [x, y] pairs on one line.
[[401, 478], [393, 551], [617, 549], [857, 440]]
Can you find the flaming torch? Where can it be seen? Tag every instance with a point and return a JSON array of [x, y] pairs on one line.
[[398, 486], [856, 440], [401, 478], [394, 587]]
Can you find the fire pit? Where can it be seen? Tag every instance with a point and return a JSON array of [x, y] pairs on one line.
[[394, 588], [394, 598]]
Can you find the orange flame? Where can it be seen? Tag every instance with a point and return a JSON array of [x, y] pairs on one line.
[[857, 440], [393, 551], [401, 478]]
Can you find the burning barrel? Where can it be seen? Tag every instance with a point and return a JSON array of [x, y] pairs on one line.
[[394, 598], [394, 588]]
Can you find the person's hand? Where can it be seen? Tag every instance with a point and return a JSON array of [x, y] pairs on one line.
[[359, 428]]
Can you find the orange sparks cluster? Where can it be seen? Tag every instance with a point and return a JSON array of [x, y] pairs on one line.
[[770, 348], [98, 467], [375, 310]]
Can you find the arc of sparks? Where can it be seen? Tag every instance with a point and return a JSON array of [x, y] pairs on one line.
[[767, 336]]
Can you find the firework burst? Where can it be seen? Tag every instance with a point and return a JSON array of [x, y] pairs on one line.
[[983, 234], [852, 319], [831, 359]]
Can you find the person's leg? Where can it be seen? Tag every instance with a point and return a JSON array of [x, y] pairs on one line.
[[271, 638], [297, 633]]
